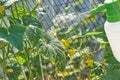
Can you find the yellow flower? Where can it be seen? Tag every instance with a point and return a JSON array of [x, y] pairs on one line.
[[86, 79], [90, 63], [65, 43], [1, 9], [10, 70], [71, 52], [65, 73]]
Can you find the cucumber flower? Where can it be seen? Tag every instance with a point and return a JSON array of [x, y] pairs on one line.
[[65, 43], [89, 63], [71, 52]]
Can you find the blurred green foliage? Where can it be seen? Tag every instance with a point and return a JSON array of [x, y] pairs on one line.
[[36, 54]]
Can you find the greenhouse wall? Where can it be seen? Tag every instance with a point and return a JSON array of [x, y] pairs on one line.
[[55, 9]]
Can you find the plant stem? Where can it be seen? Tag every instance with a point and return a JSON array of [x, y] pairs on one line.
[[29, 68], [42, 74], [4, 64], [5, 23], [16, 10], [34, 8], [11, 9], [22, 67], [27, 56], [23, 72]]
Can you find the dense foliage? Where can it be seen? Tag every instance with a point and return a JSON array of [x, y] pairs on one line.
[[29, 52]]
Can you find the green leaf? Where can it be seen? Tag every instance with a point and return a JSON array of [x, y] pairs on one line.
[[19, 11], [29, 20], [34, 34], [55, 50], [61, 64], [14, 35], [93, 33], [14, 21], [21, 77], [111, 75], [20, 59]]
